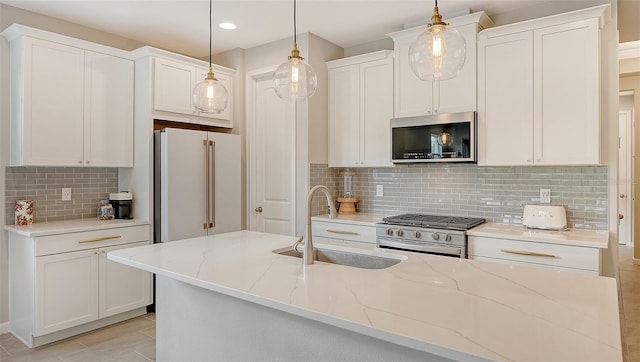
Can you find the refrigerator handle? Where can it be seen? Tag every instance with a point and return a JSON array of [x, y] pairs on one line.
[[206, 184], [212, 224]]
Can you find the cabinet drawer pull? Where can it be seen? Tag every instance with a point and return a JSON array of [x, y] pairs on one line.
[[342, 232], [529, 253], [100, 239]]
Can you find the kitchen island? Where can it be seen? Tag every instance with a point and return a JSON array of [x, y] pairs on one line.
[[229, 297]]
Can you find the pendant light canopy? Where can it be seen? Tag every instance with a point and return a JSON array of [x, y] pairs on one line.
[[295, 79], [438, 53], [209, 96]]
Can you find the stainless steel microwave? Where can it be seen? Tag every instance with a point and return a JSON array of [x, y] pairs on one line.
[[447, 137]]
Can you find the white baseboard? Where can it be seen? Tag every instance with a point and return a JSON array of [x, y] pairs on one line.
[[4, 328]]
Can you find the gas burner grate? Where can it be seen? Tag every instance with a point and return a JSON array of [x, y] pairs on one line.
[[434, 221]]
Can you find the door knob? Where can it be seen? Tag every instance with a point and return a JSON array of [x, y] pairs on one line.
[[620, 216], [622, 196], [259, 209]]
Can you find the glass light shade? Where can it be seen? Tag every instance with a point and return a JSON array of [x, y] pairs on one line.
[[209, 96], [347, 183], [438, 53], [445, 138], [295, 80]]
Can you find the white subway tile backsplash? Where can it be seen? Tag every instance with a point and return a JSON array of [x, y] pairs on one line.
[[495, 193]]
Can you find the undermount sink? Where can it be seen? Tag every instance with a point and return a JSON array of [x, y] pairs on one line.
[[341, 257]]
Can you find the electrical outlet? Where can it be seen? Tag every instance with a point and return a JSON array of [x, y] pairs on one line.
[[66, 194], [545, 196], [379, 190]]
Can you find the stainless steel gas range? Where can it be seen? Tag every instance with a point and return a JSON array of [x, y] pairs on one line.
[[433, 234]]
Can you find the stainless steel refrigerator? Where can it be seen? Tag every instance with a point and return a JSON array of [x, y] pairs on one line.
[[197, 184]]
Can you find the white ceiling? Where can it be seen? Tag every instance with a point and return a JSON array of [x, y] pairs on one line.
[[182, 25]]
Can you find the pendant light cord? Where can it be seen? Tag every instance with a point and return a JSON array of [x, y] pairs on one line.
[[210, 11], [295, 34]]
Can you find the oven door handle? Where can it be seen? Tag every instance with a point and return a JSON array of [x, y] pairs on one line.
[[440, 249]]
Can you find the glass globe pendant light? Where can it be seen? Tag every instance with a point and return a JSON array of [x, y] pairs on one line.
[[445, 138], [438, 53], [209, 96], [295, 79]]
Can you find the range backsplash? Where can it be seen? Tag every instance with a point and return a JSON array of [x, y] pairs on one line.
[[495, 193], [44, 185]]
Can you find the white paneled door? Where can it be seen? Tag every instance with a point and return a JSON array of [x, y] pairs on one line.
[[271, 146], [624, 177]]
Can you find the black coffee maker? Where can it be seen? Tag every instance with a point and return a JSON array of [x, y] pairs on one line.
[[121, 202]]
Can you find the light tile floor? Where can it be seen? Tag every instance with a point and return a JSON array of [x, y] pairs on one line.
[[629, 304], [129, 341], [134, 340]]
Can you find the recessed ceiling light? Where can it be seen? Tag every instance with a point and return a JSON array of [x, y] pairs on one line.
[[227, 26]]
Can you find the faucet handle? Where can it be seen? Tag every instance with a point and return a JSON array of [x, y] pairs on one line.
[[298, 244]]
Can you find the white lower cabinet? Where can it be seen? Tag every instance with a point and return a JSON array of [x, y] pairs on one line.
[[340, 233], [66, 291], [535, 254], [63, 284], [121, 288]]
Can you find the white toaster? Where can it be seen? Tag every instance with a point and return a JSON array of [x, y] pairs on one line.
[[545, 217]]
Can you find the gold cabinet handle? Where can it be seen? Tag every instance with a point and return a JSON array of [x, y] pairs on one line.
[[342, 232], [100, 239], [529, 253]]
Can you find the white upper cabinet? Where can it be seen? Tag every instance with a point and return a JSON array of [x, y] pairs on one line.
[[415, 97], [48, 127], [173, 83], [68, 104], [108, 110], [172, 87], [505, 96], [226, 80], [539, 92], [566, 98], [344, 116], [360, 109]]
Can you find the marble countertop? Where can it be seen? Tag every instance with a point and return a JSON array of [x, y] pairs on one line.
[[71, 226], [358, 218], [574, 237], [457, 308]]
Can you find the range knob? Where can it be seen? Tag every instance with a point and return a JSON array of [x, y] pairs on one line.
[[435, 236], [390, 232], [447, 237], [400, 233], [417, 234]]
